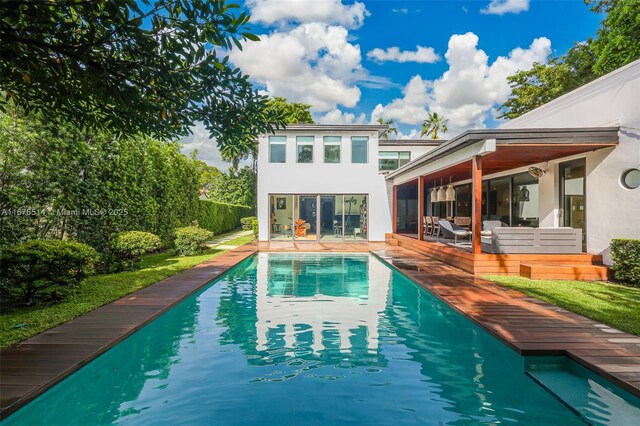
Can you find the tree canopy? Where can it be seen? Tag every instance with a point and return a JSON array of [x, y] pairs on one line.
[[131, 66], [433, 124], [616, 43], [392, 128], [291, 112]]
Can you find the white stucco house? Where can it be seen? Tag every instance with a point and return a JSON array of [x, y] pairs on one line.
[[574, 163]]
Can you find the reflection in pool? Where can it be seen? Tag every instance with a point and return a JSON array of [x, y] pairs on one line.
[[304, 339]]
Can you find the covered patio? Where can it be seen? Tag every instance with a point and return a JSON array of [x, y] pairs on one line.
[[494, 178]]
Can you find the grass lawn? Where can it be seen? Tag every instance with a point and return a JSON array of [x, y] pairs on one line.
[[612, 304], [98, 290]]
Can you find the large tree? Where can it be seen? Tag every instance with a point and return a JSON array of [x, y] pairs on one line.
[[131, 66], [291, 112], [288, 112], [616, 43]]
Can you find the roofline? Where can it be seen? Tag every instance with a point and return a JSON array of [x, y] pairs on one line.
[[536, 136], [414, 142], [577, 91], [380, 128]]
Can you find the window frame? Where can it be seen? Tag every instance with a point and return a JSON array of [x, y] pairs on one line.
[[300, 141], [364, 139], [281, 140], [326, 142]]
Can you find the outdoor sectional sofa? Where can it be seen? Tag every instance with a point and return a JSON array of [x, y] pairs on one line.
[[533, 240]]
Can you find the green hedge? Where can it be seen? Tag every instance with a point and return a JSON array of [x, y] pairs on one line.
[[220, 217], [626, 255], [247, 221], [39, 266]]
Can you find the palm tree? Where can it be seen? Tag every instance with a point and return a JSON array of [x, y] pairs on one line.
[[391, 128], [433, 124]]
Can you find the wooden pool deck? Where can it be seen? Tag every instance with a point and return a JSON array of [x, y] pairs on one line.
[[525, 324]]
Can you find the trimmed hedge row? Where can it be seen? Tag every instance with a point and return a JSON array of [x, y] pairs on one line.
[[220, 217]]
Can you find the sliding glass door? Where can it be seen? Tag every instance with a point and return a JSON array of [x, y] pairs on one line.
[[312, 217], [572, 196]]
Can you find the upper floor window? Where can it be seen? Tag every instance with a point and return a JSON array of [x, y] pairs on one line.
[[359, 147], [304, 149], [391, 160], [277, 149], [332, 149]]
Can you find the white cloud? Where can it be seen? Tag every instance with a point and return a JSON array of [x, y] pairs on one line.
[[468, 91], [337, 116], [207, 148], [402, 10], [394, 54], [411, 108], [500, 7], [305, 11], [312, 63]]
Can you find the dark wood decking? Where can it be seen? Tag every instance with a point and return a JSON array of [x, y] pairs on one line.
[[527, 325], [35, 365]]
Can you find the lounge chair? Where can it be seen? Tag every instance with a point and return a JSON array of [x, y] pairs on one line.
[[452, 230]]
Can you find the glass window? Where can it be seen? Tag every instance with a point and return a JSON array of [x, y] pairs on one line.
[[359, 153], [304, 149], [332, 149], [282, 227], [391, 160], [277, 149], [355, 217], [463, 200], [525, 198]]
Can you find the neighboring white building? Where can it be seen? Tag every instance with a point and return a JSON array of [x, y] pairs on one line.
[[585, 145]]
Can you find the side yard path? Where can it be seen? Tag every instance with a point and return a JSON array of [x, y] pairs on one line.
[[527, 325], [40, 362], [98, 290]]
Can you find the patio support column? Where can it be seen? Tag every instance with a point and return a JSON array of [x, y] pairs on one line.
[[476, 204], [420, 207], [394, 213]]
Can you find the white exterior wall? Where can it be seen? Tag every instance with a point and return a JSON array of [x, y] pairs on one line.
[[612, 211], [321, 178]]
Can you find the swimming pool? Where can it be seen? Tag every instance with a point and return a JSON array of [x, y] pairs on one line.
[[308, 339]]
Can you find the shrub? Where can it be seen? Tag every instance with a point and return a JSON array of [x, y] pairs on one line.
[[31, 269], [220, 217], [127, 247], [626, 255], [190, 240], [254, 226], [247, 222]]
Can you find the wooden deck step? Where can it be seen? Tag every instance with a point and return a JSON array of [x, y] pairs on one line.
[[563, 272]]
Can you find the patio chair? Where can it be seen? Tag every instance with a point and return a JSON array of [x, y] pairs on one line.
[[435, 231], [463, 222], [427, 225], [452, 230], [357, 232]]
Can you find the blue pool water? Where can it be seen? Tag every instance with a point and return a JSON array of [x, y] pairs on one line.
[[304, 339]]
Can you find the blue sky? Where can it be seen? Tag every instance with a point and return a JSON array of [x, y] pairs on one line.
[[355, 61]]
